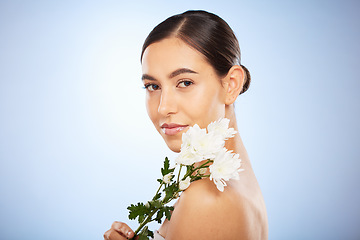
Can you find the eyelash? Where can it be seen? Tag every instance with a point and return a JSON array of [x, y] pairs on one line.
[[185, 81], [147, 86]]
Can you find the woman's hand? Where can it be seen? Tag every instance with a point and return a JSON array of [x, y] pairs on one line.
[[119, 231]]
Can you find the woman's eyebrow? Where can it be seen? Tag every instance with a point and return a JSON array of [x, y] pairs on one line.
[[181, 71], [148, 77], [171, 75]]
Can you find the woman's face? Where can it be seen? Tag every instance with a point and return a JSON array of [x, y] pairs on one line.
[[182, 89]]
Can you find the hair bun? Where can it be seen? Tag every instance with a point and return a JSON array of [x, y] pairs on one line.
[[247, 80]]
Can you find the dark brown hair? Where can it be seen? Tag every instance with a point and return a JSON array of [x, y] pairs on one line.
[[207, 33]]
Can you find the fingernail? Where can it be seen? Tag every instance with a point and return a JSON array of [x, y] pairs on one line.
[[128, 233]]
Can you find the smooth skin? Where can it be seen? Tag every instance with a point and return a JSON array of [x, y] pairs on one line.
[[183, 88]]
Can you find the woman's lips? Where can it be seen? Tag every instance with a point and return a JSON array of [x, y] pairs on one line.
[[172, 128]]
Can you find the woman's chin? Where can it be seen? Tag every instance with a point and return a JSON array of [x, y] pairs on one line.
[[175, 147]]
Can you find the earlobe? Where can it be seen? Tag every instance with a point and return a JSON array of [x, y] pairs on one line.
[[234, 82]]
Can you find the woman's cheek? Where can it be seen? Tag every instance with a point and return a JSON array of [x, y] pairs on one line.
[[151, 107]]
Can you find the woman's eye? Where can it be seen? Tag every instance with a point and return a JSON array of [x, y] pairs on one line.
[[184, 84], [151, 87]]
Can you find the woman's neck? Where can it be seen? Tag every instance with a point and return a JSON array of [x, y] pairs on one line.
[[236, 144]]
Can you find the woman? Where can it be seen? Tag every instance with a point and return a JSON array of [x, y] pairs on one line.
[[192, 75]]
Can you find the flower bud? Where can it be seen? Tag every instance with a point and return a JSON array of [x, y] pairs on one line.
[[184, 184], [202, 171], [167, 178]]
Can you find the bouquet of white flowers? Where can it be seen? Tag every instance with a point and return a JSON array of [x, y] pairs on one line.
[[200, 149]]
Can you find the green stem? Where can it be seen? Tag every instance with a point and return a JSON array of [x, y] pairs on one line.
[[158, 190], [178, 178], [199, 175], [147, 220], [201, 166]]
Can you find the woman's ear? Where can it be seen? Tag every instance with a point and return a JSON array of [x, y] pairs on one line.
[[233, 83]]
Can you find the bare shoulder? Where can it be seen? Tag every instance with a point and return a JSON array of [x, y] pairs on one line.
[[203, 212]]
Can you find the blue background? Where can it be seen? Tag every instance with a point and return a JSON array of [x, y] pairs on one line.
[[77, 147]]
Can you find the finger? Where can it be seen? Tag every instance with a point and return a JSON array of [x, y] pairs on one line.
[[123, 229], [107, 234], [113, 235]]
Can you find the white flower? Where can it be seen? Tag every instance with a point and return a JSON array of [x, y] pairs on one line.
[[190, 134], [221, 127], [167, 178], [186, 157], [202, 171], [199, 145], [226, 166], [207, 146], [184, 184]]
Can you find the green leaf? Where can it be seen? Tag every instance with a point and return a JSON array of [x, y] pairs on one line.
[[139, 210], [150, 233], [168, 211], [157, 196], [170, 191], [141, 218], [159, 215], [166, 169], [156, 204], [143, 235]]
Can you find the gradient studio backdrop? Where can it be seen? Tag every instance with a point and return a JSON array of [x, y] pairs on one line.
[[77, 147]]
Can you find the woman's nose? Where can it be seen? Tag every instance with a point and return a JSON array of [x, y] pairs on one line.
[[167, 103]]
